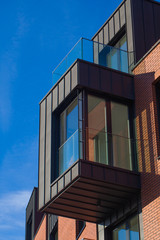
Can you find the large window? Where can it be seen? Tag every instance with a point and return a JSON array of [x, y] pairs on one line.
[[129, 230], [69, 150], [109, 133]]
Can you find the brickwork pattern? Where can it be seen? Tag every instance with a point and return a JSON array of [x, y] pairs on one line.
[[42, 231], [146, 126]]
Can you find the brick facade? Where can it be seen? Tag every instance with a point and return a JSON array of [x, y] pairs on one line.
[[42, 231], [146, 73]]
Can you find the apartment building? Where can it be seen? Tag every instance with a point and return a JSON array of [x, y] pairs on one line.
[[99, 132]]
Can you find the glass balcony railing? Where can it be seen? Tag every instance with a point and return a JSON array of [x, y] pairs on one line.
[[69, 152], [98, 53], [102, 147]]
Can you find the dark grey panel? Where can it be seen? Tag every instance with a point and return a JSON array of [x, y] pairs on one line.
[[116, 22], [156, 13], [138, 28], [42, 152], [111, 28], [67, 83], [61, 91], [122, 15], [55, 98], [101, 36], [74, 79], [106, 37], [48, 148], [149, 25]]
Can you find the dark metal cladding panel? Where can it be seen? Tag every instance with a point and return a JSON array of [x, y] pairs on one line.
[[128, 86], [129, 26], [55, 98], [42, 152], [101, 36], [138, 28], [111, 28], [61, 90], [74, 77], [93, 77], [67, 83], [117, 84], [105, 80], [83, 73], [122, 15], [116, 22], [149, 25], [156, 12], [106, 36], [48, 148]]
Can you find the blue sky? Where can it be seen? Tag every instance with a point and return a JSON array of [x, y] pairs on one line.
[[35, 37]]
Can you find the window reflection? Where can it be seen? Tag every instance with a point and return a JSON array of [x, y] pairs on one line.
[[128, 230], [69, 135]]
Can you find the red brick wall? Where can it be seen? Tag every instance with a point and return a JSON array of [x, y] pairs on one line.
[[67, 230], [89, 232], [146, 126], [42, 231]]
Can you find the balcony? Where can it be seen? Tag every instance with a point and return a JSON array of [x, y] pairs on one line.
[[98, 53], [94, 184]]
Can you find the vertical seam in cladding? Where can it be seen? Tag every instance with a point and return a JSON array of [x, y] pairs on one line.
[[103, 35], [70, 79], [114, 30], [64, 89], [57, 94], [119, 19], [108, 33], [45, 147], [51, 141], [39, 152], [133, 30]]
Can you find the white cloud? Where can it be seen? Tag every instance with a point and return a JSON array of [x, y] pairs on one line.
[[12, 207]]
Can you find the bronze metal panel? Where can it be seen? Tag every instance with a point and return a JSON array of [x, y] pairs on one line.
[[83, 73], [42, 135], [93, 79], [74, 77], [116, 21], [111, 29], [61, 91], [129, 26], [48, 147], [101, 36], [55, 98], [67, 83], [106, 36], [128, 86], [122, 15]]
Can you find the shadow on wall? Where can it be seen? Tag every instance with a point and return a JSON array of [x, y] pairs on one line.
[[148, 137]]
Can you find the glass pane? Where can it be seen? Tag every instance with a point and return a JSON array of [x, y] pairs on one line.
[[134, 228], [120, 233], [87, 48], [121, 136], [71, 119], [97, 136], [69, 152], [62, 128], [56, 236]]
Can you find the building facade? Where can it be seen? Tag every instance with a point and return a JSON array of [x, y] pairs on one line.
[[99, 133]]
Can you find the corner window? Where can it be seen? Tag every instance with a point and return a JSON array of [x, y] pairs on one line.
[[109, 139], [68, 151], [129, 230]]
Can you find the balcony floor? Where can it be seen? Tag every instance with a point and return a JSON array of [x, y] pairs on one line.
[[91, 191]]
